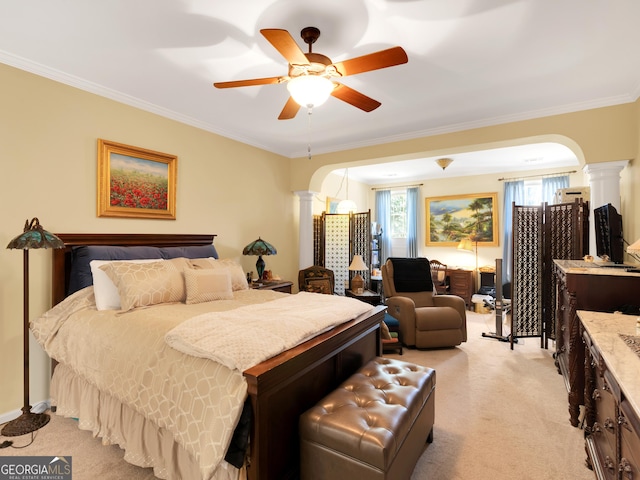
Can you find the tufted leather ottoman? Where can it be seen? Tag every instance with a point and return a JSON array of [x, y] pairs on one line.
[[373, 426]]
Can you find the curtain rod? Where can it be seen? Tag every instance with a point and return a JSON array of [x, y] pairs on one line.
[[397, 186], [538, 176]]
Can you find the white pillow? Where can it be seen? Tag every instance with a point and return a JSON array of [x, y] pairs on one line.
[[105, 291]]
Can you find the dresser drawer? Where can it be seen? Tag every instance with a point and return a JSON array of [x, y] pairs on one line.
[[629, 426]]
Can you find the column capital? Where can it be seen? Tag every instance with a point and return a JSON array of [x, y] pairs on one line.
[[605, 167]]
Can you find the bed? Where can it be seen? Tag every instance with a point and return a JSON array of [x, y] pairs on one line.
[[278, 389]]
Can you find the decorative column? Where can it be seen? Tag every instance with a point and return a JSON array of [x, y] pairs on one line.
[[305, 235], [604, 182]]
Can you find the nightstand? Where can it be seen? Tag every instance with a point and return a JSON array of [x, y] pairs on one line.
[[367, 296], [283, 286]]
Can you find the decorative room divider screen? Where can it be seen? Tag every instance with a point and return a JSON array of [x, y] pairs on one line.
[[337, 238], [542, 234]]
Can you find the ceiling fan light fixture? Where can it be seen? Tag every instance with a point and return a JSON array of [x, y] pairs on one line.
[[310, 90]]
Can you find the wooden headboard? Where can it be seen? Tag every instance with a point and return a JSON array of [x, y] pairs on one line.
[[62, 256]]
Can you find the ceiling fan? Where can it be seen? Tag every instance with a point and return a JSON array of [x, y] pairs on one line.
[[314, 72]]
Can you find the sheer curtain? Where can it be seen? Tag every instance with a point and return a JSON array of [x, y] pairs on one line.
[[551, 185], [412, 222], [383, 216], [513, 192]]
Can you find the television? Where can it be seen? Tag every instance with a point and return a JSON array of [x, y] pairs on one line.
[[608, 228]]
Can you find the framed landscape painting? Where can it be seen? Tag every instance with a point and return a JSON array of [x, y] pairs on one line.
[[136, 183], [456, 217]]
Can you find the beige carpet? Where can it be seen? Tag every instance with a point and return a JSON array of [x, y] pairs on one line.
[[500, 415]]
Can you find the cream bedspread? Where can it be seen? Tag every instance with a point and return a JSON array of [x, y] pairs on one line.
[[197, 400], [246, 336]]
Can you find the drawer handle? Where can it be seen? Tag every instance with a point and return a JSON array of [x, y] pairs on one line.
[[596, 394], [622, 421], [605, 386], [625, 468], [596, 429], [609, 424], [608, 463]]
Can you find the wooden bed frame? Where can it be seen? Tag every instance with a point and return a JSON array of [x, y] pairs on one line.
[[280, 388]]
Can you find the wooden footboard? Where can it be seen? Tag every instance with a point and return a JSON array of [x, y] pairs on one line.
[[285, 386]]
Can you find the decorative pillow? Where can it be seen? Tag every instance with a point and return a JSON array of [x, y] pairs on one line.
[[207, 285], [104, 290], [143, 284], [238, 277]]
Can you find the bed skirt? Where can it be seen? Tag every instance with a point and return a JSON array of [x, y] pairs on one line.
[[144, 443]]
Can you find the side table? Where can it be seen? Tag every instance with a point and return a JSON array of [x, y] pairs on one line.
[[367, 296], [283, 286]]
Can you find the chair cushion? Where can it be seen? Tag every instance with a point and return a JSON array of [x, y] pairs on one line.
[[437, 318], [412, 274]]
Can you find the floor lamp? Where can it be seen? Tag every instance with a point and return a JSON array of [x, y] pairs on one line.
[[34, 236]]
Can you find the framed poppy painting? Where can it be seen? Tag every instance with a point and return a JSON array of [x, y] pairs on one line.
[[135, 182]]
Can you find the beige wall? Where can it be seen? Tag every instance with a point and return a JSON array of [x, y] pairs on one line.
[[48, 135], [598, 135]]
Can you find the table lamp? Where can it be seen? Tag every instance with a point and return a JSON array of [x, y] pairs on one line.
[[259, 247], [33, 236], [357, 282]]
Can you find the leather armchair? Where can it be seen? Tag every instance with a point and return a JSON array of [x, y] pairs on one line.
[[427, 320]]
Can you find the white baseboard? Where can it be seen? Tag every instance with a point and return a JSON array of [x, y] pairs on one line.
[[8, 416], [39, 407]]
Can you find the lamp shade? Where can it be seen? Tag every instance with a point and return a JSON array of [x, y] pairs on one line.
[[465, 244], [259, 247], [634, 248], [310, 90], [346, 206], [357, 264], [34, 236]]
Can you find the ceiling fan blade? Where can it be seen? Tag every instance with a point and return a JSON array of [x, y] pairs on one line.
[[373, 61], [248, 83], [286, 45], [355, 98], [290, 110]]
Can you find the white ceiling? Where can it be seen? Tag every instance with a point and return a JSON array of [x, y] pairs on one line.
[[471, 63]]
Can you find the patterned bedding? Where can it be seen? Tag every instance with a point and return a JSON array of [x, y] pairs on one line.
[[124, 354]]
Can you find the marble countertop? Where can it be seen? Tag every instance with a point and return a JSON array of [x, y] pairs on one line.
[[623, 362], [594, 268]]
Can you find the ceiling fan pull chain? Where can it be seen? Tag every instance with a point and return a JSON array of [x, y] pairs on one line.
[[309, 111]]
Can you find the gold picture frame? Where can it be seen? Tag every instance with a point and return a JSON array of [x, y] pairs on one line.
[[135, 182], [455, 217]]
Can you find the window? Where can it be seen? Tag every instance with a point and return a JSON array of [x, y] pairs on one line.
[[533, 192], [399, 214]]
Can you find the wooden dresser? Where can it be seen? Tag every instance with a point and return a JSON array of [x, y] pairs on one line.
[[585, 286], [612, 395], [461, 283]]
